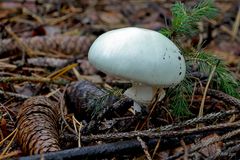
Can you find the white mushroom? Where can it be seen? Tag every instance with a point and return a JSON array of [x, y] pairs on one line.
[[146, 57]]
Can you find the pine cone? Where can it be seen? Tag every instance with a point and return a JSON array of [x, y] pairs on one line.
[[37, 123], [61, 43]]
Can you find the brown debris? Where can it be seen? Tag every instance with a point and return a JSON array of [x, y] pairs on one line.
[[212, 149], [38, 126]]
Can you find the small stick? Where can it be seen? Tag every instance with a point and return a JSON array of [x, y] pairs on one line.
[[185, 156], [145, 148], [62, 105], [206, 118], [14, 94], [156, 148], [152, 107]]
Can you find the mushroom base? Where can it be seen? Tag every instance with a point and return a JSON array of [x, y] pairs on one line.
[[143, 94]]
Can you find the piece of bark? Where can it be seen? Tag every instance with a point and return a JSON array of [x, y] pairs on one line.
[[37, 124]]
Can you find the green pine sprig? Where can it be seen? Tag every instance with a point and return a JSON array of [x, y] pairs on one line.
[[184, 21], [223, 79], [179, 98], [99, 102]]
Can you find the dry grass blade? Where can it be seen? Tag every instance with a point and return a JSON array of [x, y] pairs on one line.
[[236, 25], [10, 154], [200, 114], [62, 71], [8, 137], [10, 143]]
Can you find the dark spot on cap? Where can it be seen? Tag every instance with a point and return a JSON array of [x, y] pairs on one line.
[[180, 73], [179, 58], [163, 57], [180, 67]]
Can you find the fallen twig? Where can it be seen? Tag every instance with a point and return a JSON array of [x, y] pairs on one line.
[[160, 134], [103, 150], [21, 96], [206, 118]]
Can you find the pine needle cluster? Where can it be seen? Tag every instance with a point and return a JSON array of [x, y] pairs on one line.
[[184, 23]]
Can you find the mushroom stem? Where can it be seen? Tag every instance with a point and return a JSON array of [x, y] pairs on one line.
[[143, 94]]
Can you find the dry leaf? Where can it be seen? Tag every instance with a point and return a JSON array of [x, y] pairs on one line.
[[111, 17]]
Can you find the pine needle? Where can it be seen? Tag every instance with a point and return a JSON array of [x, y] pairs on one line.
[[14, 133]]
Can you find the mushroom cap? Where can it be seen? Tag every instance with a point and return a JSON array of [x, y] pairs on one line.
[[138, 54]]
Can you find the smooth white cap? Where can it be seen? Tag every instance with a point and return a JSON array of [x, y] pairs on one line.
[[140, 55]]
